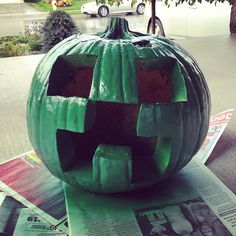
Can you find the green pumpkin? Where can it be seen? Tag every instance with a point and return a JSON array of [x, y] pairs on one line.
[[118, 110]]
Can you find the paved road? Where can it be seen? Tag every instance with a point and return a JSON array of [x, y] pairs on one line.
[[86, 24], [14, 19], [14, 8]]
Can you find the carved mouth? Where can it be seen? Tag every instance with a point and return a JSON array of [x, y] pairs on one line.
[[115, 124]]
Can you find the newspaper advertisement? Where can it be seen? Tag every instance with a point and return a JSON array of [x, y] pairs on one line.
[[17, 220], [192, 203], [217, 126], [27, 180]]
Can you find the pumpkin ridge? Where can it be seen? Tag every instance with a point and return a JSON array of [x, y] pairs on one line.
[[176, 143], [120, 95], [198, 83], [187, 143], [130, 88]]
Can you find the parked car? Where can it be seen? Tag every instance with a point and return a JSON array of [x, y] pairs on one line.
[[92, 8], [199, 20]]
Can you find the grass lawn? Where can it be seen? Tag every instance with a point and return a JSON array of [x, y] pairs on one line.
[[20, 45], [42, 6]]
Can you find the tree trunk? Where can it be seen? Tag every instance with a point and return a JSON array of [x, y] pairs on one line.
[[153, 7], [232, 25]]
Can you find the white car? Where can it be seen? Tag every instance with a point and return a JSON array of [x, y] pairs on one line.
[[92, 8]]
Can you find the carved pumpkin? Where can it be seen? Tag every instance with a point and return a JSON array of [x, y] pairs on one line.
[[118, 110]]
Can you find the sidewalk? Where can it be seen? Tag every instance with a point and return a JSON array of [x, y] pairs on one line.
[[22, 10], [15, 78], [216, 58], [16, 8]]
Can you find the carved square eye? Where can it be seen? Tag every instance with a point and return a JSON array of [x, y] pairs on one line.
[[160, 80], [81, 83], [153, 83], [72, 76]]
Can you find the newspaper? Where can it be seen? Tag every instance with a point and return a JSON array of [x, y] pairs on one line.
[[27, 180], [217, 126], [193, 202], [17, 220]]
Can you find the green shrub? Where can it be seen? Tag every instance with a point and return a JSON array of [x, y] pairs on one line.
[[35, 45], [35, 28], [10, 49], [58, 26], [34, 34], [23, 44], [20, 39]]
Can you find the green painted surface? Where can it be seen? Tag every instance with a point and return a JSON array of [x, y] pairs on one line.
[[164, 136], [112, 167], [163, 154]]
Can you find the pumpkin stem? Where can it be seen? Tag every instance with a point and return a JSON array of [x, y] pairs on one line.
[[118, 28]]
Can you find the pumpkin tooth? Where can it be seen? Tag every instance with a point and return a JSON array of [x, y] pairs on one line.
[[112, 167], [158, 120]]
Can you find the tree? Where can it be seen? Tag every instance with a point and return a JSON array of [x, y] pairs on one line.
[[232, 25]]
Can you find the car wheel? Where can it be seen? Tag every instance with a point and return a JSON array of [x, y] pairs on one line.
[[103, 11], [140, 9], [158, 27]]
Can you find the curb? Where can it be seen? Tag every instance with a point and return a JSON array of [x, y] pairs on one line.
[[33, 15], [23, 14], [37, 13]]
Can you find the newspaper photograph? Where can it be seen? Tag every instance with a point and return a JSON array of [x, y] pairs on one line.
[[26, 179], [217, 126], [17, 220], [192, 203], [192, 217]]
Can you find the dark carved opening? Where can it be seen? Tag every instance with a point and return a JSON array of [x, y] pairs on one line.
[[153, 86], [115, 124], [160, 80], [71, 76]]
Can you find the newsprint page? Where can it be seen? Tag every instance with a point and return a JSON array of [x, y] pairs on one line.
[[31, 197], [193, 202], [17, 220]]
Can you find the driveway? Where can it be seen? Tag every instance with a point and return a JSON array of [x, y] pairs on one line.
[[14, 18]]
